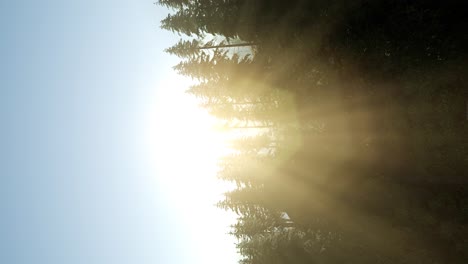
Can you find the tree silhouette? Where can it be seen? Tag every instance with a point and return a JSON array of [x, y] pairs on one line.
[[352, 121]]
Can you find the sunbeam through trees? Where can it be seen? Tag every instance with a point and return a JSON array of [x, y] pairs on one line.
[[350, 120]]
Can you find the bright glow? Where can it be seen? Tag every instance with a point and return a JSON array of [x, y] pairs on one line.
[[184, 146], [184, 142]]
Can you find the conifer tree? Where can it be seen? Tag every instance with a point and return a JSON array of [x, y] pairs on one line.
[[190, 48], [385, 81]]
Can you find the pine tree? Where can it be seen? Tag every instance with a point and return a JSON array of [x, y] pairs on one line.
[[390, 75], [191, 48], [174, 3], [202, 17]]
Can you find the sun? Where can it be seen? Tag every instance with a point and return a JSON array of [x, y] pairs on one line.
[[184, 147], [184, 143]]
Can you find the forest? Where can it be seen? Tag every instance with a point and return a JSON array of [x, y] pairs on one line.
[[352, 119]]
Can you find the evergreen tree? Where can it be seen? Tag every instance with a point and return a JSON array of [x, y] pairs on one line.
[[203, 17], [190, 48], [363, 104]]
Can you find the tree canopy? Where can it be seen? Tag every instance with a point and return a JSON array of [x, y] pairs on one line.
[[359, 108]]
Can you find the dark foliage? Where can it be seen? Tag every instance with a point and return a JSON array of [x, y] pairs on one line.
[[362, 110]]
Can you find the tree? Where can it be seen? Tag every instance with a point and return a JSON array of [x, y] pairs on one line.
[[203, 17], [363, 104], [190, 48]]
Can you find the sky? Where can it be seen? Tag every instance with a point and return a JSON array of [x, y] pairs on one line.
[[83, 85]]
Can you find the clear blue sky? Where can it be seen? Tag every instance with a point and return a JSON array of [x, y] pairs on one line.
[[74, 185]]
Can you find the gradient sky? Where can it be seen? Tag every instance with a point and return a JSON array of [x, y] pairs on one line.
[[76, 78]]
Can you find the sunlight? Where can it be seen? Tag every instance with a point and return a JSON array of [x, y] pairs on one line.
[[184, 142], [184, 147]]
